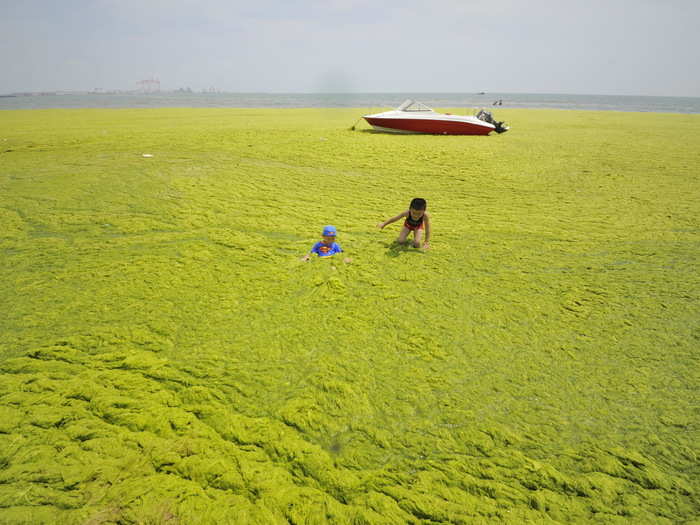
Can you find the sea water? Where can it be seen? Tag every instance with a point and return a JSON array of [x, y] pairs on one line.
[[352, 100]]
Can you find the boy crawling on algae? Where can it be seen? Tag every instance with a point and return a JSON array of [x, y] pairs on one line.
[[326, 247], [416, 220]]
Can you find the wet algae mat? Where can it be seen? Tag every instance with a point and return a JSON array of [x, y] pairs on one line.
[[166, 357]]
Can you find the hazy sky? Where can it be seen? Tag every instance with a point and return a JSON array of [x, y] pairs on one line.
[[634, 47]]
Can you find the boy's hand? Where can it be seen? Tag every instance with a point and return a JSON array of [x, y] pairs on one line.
[[305, 257], [381, 225]]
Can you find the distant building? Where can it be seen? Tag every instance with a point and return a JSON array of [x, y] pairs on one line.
[[150, 85]]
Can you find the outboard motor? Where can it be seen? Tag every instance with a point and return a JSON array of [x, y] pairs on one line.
[[486, 116]]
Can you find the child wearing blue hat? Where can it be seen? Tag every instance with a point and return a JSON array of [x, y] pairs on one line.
[[327, 246]]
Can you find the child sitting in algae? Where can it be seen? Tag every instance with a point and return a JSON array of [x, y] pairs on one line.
[[327, 246], [417, 219]]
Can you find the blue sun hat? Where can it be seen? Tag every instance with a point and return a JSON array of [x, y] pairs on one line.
[[329, 231]]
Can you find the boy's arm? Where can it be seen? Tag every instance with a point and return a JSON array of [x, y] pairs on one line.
[[308, 255], [426, 220], [340, 250], [393, 219]]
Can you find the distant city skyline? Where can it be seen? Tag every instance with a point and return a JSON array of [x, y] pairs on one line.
[[615, 47]]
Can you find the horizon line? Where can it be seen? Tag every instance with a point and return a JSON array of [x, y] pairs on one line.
[[103, 92]]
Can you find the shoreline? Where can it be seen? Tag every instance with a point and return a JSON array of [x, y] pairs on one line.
[[626, 103], [362, 109]]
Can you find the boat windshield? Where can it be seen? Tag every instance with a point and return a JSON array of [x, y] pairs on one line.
[[412, 105]]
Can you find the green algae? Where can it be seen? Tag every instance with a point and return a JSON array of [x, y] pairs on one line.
[[166, 358]]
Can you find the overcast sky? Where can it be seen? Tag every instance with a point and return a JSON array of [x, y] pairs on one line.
[[626, 47]]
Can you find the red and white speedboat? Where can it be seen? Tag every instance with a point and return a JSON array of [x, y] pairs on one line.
[[414, 117]]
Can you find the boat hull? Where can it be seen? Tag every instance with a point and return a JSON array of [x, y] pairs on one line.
[[433, 126]]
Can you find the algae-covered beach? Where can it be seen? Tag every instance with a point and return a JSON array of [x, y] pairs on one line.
[[167, 358]]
